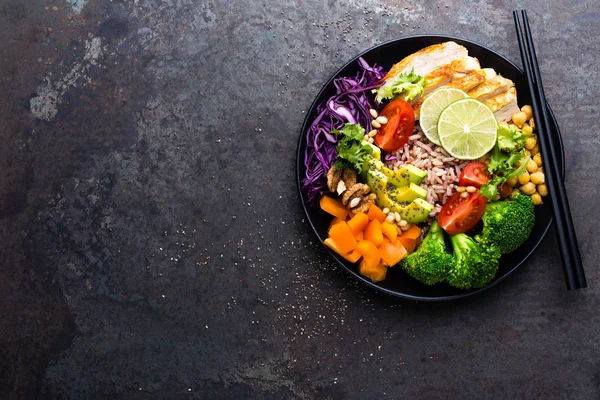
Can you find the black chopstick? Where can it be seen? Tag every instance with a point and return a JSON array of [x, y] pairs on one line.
[[567, 239]]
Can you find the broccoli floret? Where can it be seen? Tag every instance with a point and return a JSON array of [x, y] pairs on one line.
[[507, 224], [429, 263], [475, 263]]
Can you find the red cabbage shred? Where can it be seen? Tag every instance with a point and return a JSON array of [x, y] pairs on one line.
[[350, 104]]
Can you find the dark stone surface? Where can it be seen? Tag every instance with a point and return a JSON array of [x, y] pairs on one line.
[[152, 236]]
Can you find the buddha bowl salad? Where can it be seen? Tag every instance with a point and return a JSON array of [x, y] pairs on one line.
[[434, 151]]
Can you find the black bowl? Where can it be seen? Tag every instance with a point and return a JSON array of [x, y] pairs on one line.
[[397, 282]]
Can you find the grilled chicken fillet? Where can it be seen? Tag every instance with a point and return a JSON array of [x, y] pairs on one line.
[[504, 105], [428, 59], [491, 88]]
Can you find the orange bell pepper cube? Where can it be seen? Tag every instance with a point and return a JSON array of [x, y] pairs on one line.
[[392, 253], [358, 223], [343, 237], [370, 253], [373, 232], [390, 230], [408, 243], [414, 232], [333, 207], [375, 272], [353, 256], [375, 213]]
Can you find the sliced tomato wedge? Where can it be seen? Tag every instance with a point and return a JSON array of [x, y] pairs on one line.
[[474, 174], [401, 122], [461, 214]]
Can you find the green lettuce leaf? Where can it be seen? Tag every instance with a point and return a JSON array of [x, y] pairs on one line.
[[407, 86], [352, 149], [511, 139]]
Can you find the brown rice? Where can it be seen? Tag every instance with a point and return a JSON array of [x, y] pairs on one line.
[[443, 170]]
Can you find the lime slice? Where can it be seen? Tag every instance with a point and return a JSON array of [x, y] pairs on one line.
[[433, 106], [467, 129]]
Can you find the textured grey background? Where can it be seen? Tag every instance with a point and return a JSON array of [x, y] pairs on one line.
[[152, 240]]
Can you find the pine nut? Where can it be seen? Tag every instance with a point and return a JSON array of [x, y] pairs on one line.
[[460, 189], [464, 195], [471, 189], [372, 133], [375, 124], [390, 218], [341, 187], [373, 113], [354, 202], [397, 217], [370, 140], [382, 120]]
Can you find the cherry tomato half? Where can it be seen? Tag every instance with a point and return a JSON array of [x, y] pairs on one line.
[[460, 214], [401, 122], [474, 174], [504, 189]]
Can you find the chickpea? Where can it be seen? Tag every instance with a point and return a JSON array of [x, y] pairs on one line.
[[537, 178], [519, 118], [514, 192], [528, 153], [543, 190], [531, 166], [536, 199], [535, 150], [528, 188], [527, 129], [538, 159], [524, 178], [530, 142], [532, 123], [512, 182], [528, 111]]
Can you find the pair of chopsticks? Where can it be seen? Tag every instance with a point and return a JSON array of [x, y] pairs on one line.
[[567, 240]]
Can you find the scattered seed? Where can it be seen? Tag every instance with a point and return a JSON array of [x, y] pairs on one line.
[[386, 210], [390, 218], [397, 217], [403, 223], [372, 133], [375, 124], [373, 113]]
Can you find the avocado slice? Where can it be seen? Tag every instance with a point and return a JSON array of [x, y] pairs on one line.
[[407, 194], [415, 212], [402, 177]]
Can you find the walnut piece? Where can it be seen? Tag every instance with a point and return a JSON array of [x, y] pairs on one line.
[[349, 177], [363, 205], [356, 190], [333, 178]]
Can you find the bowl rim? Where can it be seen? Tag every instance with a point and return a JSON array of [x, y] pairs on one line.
[[300, 159]]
